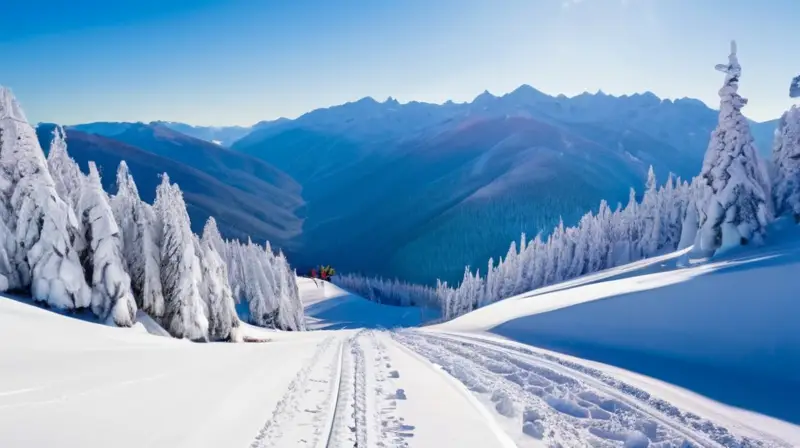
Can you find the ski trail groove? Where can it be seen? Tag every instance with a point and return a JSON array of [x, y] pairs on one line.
[[341, 431], [288, 413], [359, 393], [335, 389]]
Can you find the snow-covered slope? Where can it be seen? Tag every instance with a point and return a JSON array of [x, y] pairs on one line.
[[725, 329], [329, 307], [71, 383], [68, 382]]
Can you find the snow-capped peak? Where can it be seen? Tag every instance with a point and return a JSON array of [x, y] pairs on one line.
[[9, 107]]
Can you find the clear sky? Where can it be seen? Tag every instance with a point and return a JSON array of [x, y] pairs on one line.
[[240, 61]]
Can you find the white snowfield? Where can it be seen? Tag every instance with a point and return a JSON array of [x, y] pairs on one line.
[[483, 380]]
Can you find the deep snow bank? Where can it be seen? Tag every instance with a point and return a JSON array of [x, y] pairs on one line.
[[330, 307], [727, 329]]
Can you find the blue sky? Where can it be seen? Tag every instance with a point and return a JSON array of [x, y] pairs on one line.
[[241, 61]]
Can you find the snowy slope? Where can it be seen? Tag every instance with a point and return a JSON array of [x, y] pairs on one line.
[[72, 383], [329, 307], [711, 328], [66, 382]]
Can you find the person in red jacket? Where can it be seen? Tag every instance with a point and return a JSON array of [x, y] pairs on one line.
[[324, 274], [313, 273]]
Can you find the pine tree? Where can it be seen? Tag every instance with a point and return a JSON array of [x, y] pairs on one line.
[[223, 322], [40, 228], [139, 227], [734, 211], [259, 288], [103, 262], [786, 159], [180, 273], [65, 171]]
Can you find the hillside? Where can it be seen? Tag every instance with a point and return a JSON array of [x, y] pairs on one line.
[[248, 198], [708, 328], [437, 173]]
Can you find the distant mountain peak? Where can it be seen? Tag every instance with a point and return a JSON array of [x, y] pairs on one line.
[[366, 100], [484, 97]]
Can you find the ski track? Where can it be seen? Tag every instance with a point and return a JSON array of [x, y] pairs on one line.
[[637, 397], [307, 402], [562, 403], [359, 392], [343, 425], [389, 428]]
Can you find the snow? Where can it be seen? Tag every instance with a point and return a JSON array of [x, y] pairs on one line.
[[453, 384], [149, 325], [328, 306], [135, 389], [708, 328]]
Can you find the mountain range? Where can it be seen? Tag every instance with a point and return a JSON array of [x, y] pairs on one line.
[[416, 190]]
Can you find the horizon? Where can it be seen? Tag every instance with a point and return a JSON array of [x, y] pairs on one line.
[[234, 63], [390, 98]]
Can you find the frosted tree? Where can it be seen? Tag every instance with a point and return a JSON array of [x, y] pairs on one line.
[[180, 274], [40, 228], [492, 291], [538, 259], [734, 209], [651, 211], [139, 227], [290, 310], [102, 259], [65, 171], [695, 194], [223, 323], [509, 271], [786, 159], [259, 286]]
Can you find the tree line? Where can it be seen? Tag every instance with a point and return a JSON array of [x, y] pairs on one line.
[[72, 246]]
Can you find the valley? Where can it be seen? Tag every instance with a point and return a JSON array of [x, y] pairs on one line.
[[448, 185]]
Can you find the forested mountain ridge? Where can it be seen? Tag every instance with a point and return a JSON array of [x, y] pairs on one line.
[[453, 181]]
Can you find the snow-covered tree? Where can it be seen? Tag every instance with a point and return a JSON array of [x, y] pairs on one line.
[[65, 171], [180, 273], [223, 323], [39, 227], [102, 259], [290, 309], [259, 286], [734, 209], [139, 227], [786, 159]]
